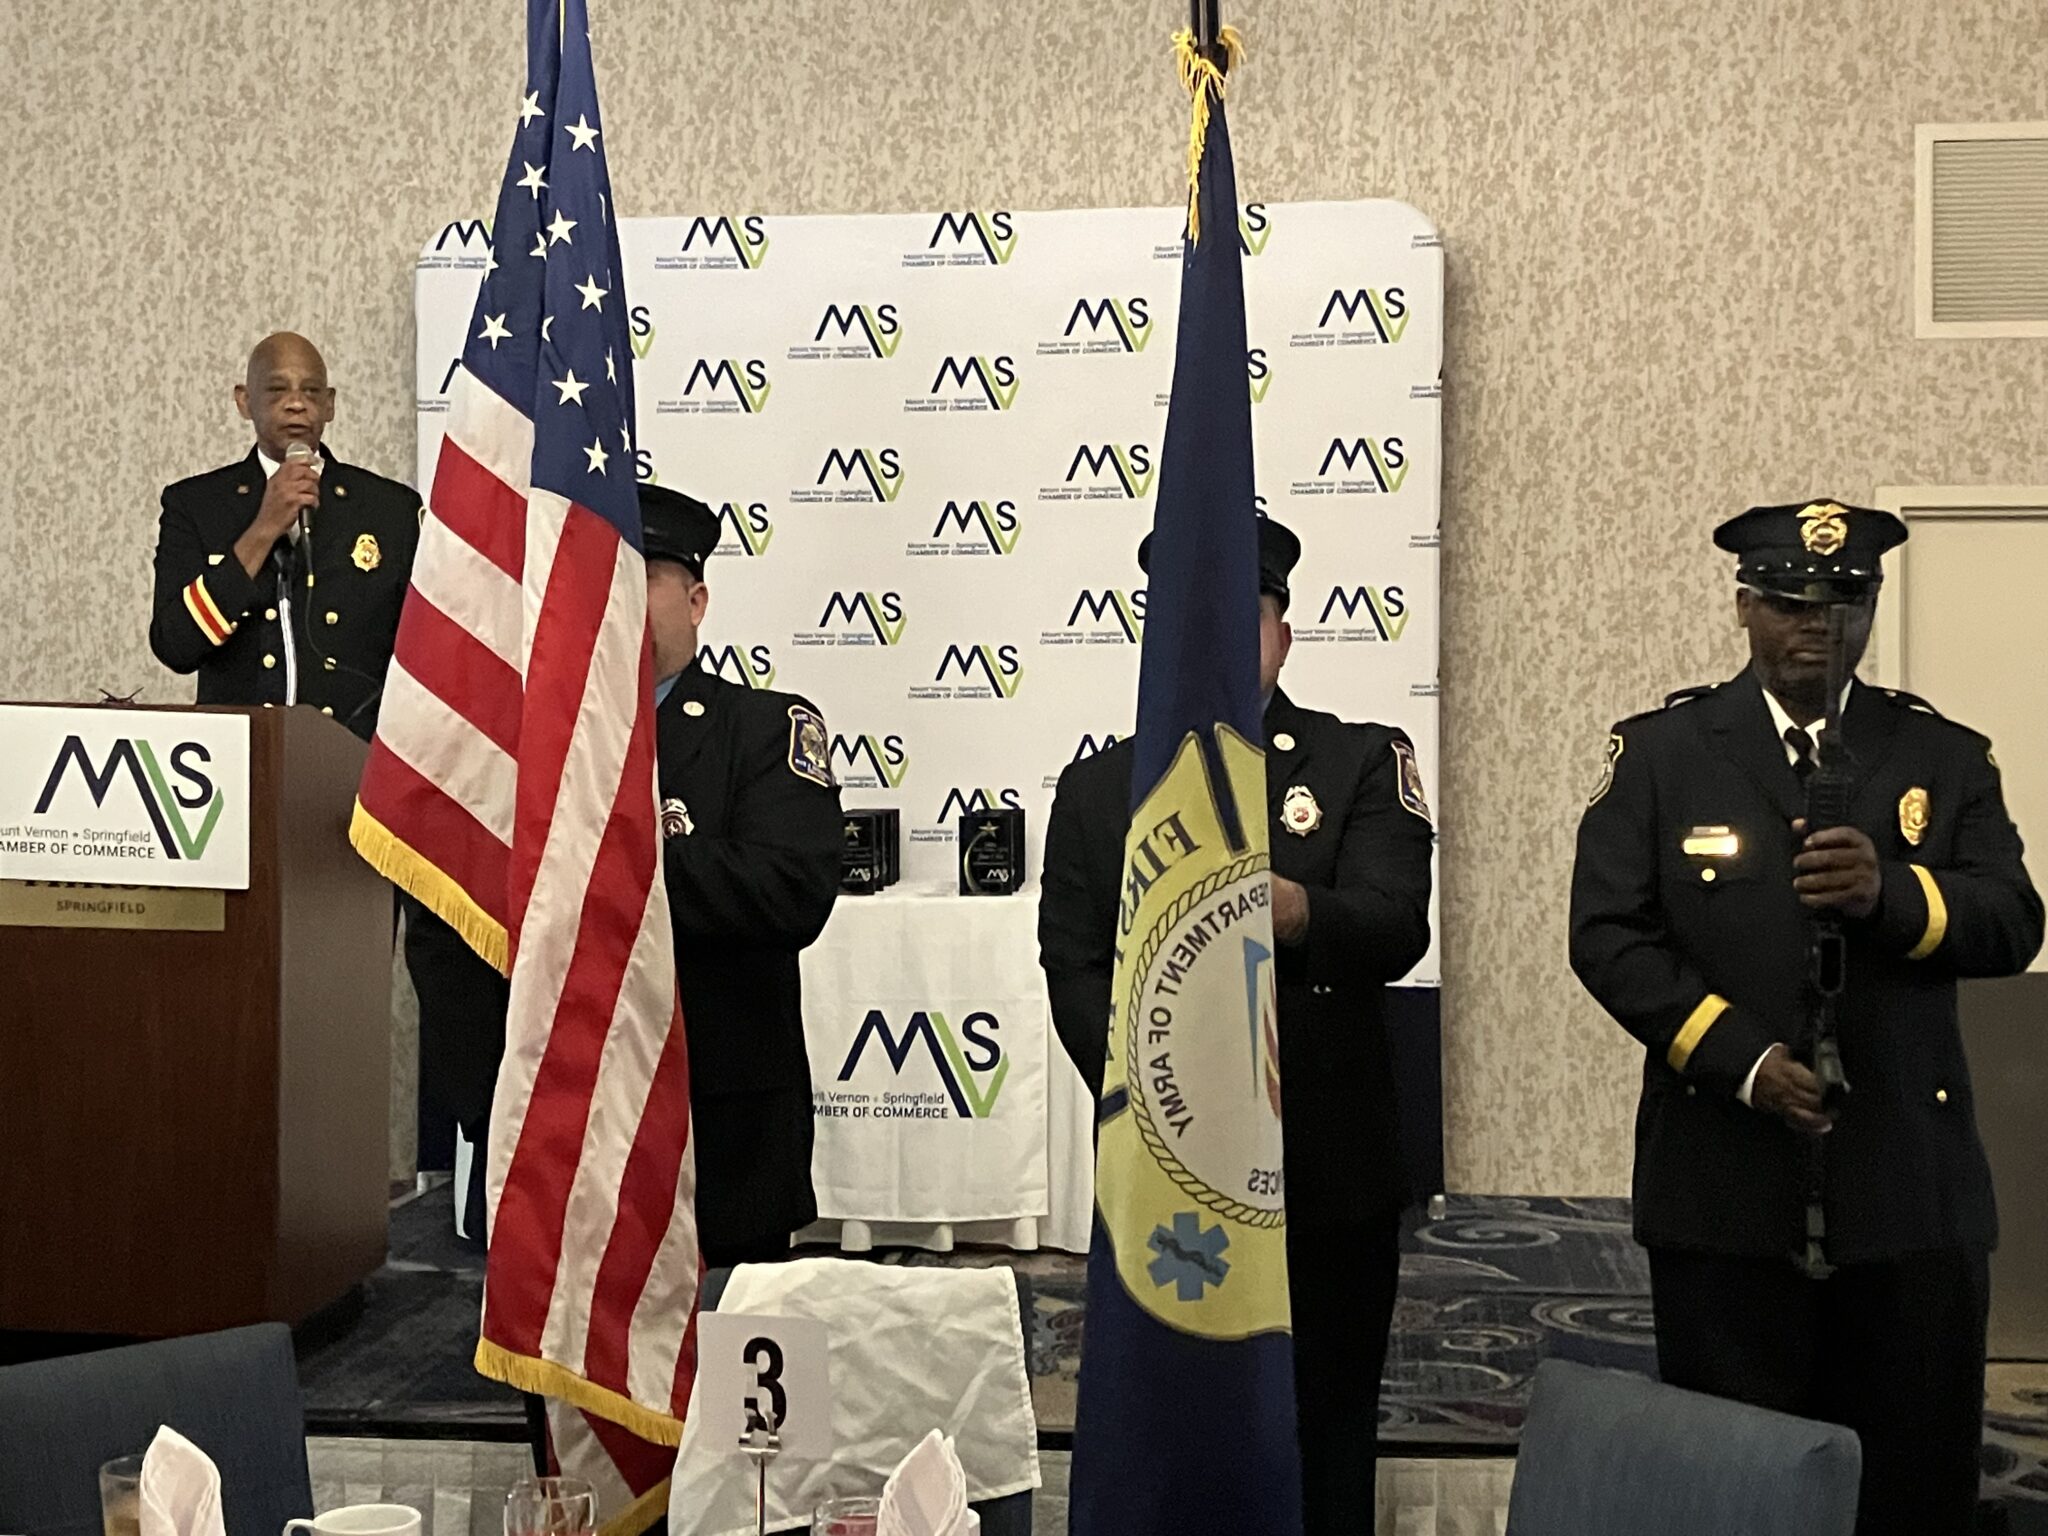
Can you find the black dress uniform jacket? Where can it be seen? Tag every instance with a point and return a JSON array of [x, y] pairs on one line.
[[750, 884], [1367, 871], [1685, 927], [214, 618]]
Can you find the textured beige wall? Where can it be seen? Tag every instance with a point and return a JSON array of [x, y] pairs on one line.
[[1680, 255]]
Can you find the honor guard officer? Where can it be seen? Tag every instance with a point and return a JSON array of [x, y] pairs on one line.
[[1691, 898], [750, 828], [1351, 841], [279, 578]]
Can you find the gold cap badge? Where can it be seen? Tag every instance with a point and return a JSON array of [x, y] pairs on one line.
[[1299, 812], [367, 555], [1823, 528], [1913, 809]]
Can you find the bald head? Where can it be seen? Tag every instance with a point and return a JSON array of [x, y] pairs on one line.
[[284, 394]]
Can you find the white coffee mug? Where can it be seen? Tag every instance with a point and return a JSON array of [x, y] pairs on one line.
[[361, 1520]]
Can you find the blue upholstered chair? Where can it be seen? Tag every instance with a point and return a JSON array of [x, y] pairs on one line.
[[1605, 1453], [235, 1395]]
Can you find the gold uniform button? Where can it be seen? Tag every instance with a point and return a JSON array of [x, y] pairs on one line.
[[326, 709], [329, 663], [341, 490], [1707, 875], [1941, 1095], [241, 490], [270, 613], [270, 661], [333, 617]]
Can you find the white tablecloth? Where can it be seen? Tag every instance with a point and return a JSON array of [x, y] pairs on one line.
[[947, 1111]]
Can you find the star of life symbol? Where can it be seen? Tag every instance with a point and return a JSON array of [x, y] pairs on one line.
[[1190, 1257]]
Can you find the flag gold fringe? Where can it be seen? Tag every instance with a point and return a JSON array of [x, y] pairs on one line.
[[543, 1378], [640, 1514], [412, 872], [1201, 79]]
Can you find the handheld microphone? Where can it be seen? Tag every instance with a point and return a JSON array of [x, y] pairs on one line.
[[299, 451]]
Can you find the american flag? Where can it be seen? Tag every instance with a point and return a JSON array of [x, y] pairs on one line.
[[511, 787]]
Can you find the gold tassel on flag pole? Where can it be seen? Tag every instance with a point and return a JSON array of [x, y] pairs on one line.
[[1201, 77]]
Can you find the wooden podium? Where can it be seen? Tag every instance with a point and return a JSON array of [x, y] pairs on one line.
[[193, 1125]]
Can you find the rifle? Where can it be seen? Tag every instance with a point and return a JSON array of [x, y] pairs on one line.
[[1827, 805]]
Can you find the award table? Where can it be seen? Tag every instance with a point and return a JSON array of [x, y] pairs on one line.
[[947, 1111]]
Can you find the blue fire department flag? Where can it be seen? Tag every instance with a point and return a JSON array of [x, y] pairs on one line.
[[1186, 1420]]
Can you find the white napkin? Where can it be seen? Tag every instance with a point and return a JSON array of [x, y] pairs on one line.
[[180, 1493], [927, 1493]]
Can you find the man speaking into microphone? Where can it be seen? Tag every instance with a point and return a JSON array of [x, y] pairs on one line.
[[279, 577]]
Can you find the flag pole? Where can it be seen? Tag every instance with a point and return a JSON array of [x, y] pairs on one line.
[[1207, 28]]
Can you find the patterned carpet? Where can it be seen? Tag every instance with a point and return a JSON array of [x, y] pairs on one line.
[[1490, 1289]]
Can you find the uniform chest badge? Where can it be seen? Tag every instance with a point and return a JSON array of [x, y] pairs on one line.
[[675, 819], [1299, 812], [1913, 810], [367, 555]]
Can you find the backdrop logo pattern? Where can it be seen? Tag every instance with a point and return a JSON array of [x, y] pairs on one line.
[[852, 332], [1107, 325], [978, 527], [719, 242], [945, 426], [969, 384], [871, 762], [1105, 472], [854, 474], [968, 239]]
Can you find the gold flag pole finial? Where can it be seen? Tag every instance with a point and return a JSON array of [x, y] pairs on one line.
[[1203, 78]]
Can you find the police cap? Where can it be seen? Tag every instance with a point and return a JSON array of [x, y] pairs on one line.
[[1813, 551], [1279, 549], [677, 527]]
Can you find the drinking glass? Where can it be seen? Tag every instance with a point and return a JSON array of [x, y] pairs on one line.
[[846, 1517], [551, 1506], [121, 1496]]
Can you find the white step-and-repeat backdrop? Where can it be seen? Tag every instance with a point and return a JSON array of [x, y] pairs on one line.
[[934, 440]]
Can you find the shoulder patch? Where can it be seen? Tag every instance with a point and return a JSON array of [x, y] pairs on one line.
[[1615, 747], [810, 748], [1408, 780]]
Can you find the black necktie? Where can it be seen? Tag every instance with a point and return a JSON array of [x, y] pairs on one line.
[[1802, 744]]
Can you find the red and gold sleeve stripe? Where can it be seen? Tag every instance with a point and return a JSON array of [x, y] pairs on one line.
[[206, 612]]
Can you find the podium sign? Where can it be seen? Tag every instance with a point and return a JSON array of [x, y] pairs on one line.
[[125, 797]]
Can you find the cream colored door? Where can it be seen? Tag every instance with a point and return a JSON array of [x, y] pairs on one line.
[[1964, 623]]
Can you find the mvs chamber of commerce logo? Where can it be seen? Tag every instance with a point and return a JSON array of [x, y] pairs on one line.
[[968, 239], [871, 762], [1351, 615], [853, 475], [858, 618], [936, 1071], [1105, 472], [969, 384], [1358, 466], [852, 332], [719, 242], [753, 665], [1104, 616], [172, 787], [715, 386], [744, 528], [974, 672], [1358, 317], [1102, 325], [979, 527]]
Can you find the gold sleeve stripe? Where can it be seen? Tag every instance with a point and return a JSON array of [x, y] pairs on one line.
[[1937, 917], [206, 612], [1694, 1030]]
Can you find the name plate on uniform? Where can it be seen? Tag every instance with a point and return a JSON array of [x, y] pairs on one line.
[[36, 904], [124, 797]]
